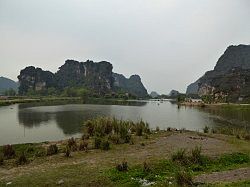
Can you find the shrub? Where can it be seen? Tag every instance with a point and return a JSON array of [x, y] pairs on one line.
[[131, 141], [67, 151], [247, 137], [21, 160], [85, 136], [8, 151], [72, 144], [105, 145], [157, 129], [138, 130], [40, 153], [183, 178], [30, 149], [52, 149], [1, 159], [146, 167], [83, 146], [124, 134], [97, 142], [90, 127], [123, 166], [206, 129], [115, 138], [147, 129]]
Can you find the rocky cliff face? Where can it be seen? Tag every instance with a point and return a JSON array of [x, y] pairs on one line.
[[35, 79], [193, 88], [132, 85], [94, 76], [97, 77], [174, 93], [154, 94], [230, 79]]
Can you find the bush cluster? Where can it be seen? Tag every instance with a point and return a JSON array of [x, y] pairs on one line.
[[117, 131], [72, 144], [21, 159], [123, 166], [8, 151], [83, 145], [183, 158]]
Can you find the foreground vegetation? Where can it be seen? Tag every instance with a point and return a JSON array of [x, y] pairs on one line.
[[114, 152]]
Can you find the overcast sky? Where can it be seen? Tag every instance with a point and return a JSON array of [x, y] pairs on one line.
[[169, 43]]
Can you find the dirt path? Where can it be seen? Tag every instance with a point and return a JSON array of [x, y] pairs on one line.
[[155, 148], [225, 176]]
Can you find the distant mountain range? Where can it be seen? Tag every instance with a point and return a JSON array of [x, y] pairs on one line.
[[6, 84], [230, 78], [95, 76]]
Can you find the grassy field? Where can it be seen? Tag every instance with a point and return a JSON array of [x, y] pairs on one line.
[[159, 158]]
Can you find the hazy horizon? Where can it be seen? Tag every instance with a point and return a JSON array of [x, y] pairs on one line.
[[169, 43]]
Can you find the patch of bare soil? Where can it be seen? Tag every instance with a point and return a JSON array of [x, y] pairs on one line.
[[225, 176], [189, 140]]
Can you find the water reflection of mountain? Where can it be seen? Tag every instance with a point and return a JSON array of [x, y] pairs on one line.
[[69, 121], [69, 118], [32, 119]]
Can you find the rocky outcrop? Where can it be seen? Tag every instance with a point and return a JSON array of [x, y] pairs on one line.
[[230, 79], [154, 94], [174, 93], [193, 88], [94, 76], [36, 79], [97, 77], [131, 85], [6, 84]]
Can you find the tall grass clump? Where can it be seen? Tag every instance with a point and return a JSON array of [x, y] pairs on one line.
[[123, 166], [1, 159], [117, 131], [72, 144], [97, 142], [105, 145], [183, 178], [180, 156], [189, 158], [247, 137], [67, 151], [196, 156], [52, 149], [21, 159], [8, 151], [206, 129], [83, 145]]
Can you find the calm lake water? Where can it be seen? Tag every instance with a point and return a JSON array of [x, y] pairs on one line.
[[38, 122]]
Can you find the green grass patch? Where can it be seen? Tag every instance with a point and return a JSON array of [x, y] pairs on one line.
[[166, 172]]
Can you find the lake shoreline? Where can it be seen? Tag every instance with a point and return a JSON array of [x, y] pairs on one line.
[[7, 102], [201, 104]]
